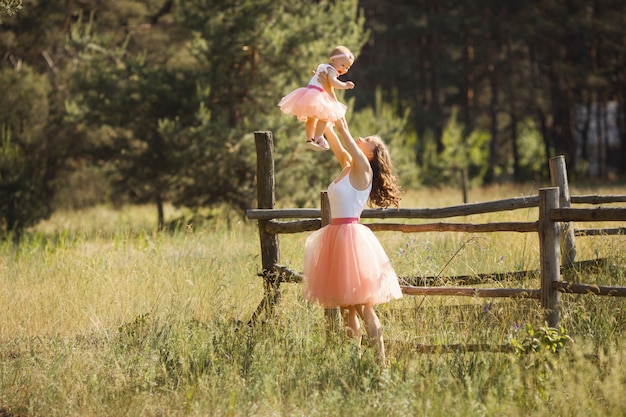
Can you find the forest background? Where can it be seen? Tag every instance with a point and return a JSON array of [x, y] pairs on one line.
[[156, 101]]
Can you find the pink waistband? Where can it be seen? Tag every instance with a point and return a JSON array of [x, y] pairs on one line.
[[315, 87], [344, 220]]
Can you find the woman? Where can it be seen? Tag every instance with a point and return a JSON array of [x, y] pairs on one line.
[[344, 264]]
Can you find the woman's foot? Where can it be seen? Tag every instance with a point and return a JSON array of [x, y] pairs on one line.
[[318, 143]]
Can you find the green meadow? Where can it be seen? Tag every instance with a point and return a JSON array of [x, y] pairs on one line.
[[102, 316]]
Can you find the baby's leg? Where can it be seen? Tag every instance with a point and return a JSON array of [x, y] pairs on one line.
[[310, 127], [315, 138], [319, 129]]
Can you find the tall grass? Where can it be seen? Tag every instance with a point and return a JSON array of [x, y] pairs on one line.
[[100, 315]]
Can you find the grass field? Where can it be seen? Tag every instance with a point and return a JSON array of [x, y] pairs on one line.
[[101, 316]]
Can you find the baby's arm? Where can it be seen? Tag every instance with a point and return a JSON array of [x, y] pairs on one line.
[[337, 83]]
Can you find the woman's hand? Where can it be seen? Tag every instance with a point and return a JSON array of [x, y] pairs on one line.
[[326, 82], [322, 77]]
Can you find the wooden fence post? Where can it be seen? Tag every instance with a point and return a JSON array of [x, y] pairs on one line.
[[549, 252], [558, 176], [332, 314], [266, 199]]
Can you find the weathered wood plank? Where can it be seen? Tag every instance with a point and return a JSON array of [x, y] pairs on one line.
[[597, 199], [549, 254], [472, 292], [407, 213], [297, 226], [588, 214], [274, 226], [521, 227], [575, 288]]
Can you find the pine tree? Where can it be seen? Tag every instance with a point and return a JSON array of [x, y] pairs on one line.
[[27, 154]]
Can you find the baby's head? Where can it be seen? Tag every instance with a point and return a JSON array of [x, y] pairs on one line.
[[342, 59]]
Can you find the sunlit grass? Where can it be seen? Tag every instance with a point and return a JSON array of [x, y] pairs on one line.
[[102, 315]]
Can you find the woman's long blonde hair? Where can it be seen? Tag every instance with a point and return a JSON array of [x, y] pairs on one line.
[[385, 188]]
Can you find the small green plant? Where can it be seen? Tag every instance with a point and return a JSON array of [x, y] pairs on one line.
[[538, 340], [135, 327]]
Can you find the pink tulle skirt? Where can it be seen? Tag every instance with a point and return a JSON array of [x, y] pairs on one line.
[[345, 265], [312, 102]]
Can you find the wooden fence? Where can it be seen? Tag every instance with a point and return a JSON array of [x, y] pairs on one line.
[[554, 227]]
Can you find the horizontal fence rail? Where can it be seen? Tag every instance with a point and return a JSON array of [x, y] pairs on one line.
[[597, 199], [575, 288], [405, 213], [273, 226], [309, 225], [588, 215], [521, 227], [472, 292]]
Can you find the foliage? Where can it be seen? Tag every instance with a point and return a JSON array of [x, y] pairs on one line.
[[28, 156], [470, 153], [500, 65], [209, 173], [541, 339], [129, 91], [9, 7], [532, 155], [383, 120]]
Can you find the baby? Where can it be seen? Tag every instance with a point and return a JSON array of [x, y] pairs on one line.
[[314, 105]]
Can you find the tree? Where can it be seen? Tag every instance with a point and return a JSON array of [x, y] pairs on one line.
[[9, 7], [126, 89], [38, 135], [28, 157]]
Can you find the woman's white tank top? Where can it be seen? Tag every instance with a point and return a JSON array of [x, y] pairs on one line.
[[345, 200]]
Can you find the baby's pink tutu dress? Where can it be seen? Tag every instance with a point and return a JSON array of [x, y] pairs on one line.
[[344, 263], [313, 100]]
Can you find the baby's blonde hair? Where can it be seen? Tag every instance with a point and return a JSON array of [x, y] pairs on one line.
[[341, 51]]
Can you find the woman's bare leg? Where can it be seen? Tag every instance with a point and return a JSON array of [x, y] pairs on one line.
[[352, 324], [374, 329]]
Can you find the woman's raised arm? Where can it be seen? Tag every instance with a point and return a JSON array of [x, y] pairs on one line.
[[361, 172]]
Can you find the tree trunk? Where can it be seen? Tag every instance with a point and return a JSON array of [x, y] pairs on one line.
[[621, 115], [161, 217], [492, 73], [435, 84], [584, 151], [11, 217], [493, 115], [468, 85], [422, 95], [513, 113], [600, 135], [561, 109], [534, 97]]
